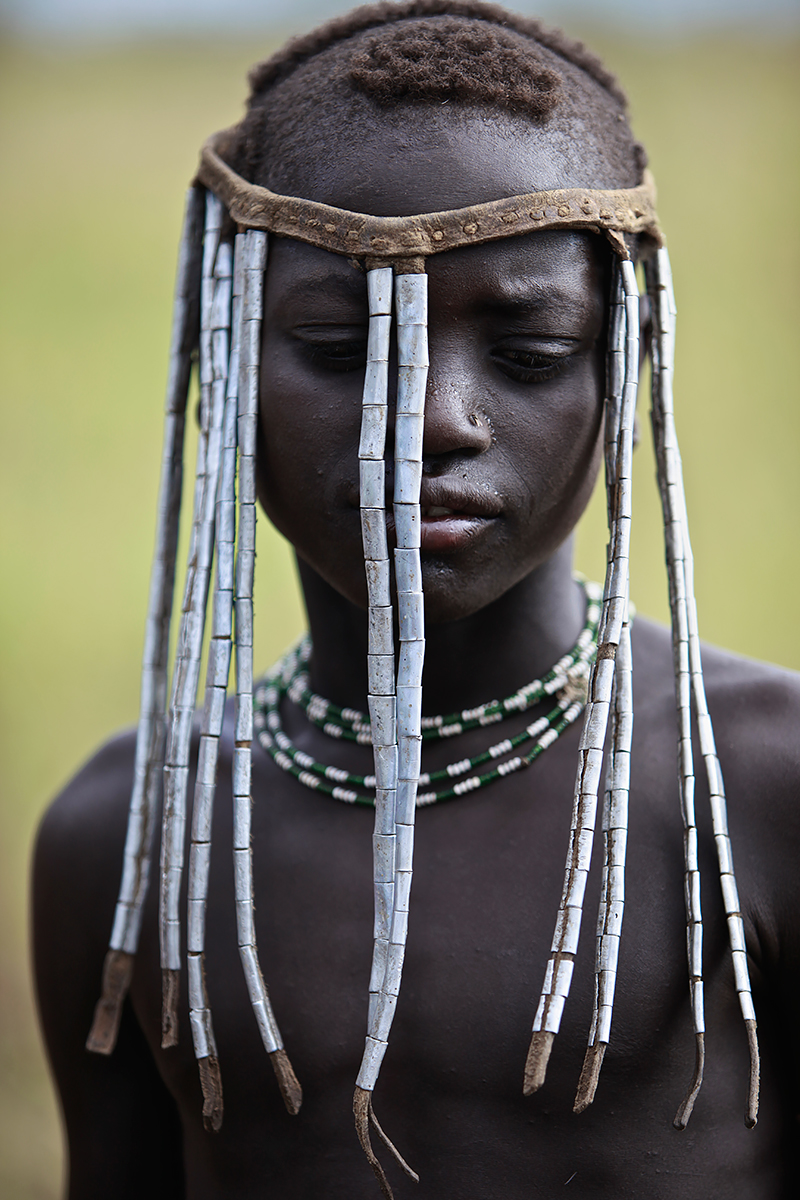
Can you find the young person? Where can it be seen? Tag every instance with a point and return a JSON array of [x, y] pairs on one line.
[[517, 327]]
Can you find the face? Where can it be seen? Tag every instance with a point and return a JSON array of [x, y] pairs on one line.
[[514, 399]]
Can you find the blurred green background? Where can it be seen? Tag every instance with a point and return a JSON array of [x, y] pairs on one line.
[[98, 145]]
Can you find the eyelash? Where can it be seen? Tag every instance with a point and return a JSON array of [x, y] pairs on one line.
[[526, 366], [336, 356], [523, 366]]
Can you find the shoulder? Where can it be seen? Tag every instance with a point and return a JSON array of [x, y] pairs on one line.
[[755, 706], [755, 709], [88, 818], [76, 872], [121, 1123]]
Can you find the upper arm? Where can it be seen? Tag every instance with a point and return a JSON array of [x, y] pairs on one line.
[[122, 1125], [759, 747]]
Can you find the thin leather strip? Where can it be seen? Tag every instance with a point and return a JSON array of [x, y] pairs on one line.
[[358, 235]]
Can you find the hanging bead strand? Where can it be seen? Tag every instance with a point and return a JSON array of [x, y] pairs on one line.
[[615, 800], [217, 674], [670, 487], [151, 732], [664, 313], [251, 249], [380, 649], [612, 892], [411, 299], [215, 309], [558, 975], [615, 383]]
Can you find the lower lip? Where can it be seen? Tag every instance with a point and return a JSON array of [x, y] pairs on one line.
[[451, 532]]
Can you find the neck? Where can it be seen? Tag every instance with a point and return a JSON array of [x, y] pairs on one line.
[[485, 656]]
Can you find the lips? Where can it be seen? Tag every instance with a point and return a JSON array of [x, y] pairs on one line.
[[442, 497], [452, 514]]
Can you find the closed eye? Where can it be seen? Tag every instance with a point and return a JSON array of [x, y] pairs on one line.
[[533, 363], [331, 353]]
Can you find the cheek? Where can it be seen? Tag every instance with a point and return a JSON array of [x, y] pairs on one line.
[[552, 443], [308, 450], [309, 429]]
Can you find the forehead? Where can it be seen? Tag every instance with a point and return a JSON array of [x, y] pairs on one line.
[[421, 159]]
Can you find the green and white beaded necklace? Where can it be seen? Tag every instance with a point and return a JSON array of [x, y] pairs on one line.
[[566, 681]]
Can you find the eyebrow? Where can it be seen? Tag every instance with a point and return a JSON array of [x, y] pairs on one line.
[[526, 289], [527, 300], [352, 287], [515, 298]]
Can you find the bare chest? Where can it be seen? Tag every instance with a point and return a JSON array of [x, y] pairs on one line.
[[488, 873]]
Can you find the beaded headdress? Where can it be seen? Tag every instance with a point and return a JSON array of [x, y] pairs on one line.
[[218, 310]]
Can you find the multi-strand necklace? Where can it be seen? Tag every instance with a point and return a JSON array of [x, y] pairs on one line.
[[566, 682]]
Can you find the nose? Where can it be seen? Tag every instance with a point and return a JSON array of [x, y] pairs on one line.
[[455, 424]]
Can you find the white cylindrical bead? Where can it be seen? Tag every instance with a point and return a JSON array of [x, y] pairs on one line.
[[730, 894], [384, 900], [371, 1064], [567, 931], [409, 711], [736, 932], [380, 637], [380, 951], [406, 800], [402, 890], [412, 345], [408, 570], [394, 969], [410, 663], [382, 715], [383, 846], [214, 711], [407, 480], [404, 847], [408, 432], [372, 483], [411, 383], [407, 525], [385, 766], [411, 298], [409, 757], [384, 810], [411, 614], [374, 420], [379, 289], [380, 674], [378, 333], [378, 583], [373, 533]]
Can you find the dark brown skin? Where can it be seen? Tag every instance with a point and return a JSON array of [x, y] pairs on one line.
[[514, 414]]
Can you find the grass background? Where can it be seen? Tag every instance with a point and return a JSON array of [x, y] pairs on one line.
[[97, 147]]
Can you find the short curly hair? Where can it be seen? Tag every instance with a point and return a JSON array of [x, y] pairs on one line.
[[453, 60], [382, 58]]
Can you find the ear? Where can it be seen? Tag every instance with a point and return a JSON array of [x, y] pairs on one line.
[[645, 341]]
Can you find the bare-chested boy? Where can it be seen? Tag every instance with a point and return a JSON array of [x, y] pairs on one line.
[[445, 109]]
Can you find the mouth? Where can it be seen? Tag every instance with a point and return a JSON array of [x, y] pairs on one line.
[[434, 512], [452, 515], [443, 532]]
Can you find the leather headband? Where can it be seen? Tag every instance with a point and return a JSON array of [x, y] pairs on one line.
[[409, 240]]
